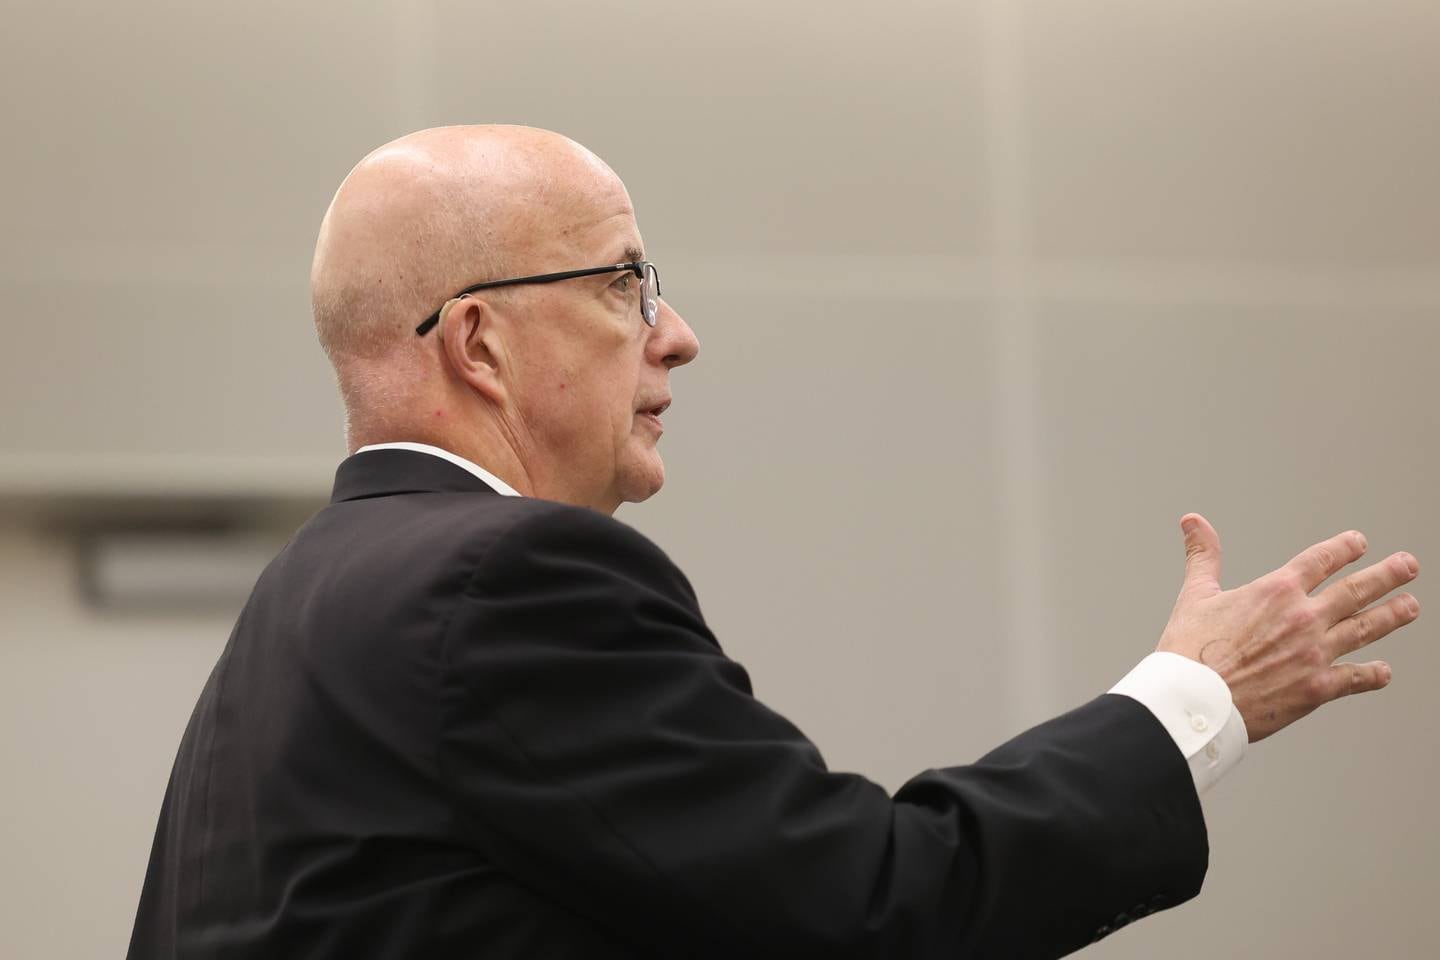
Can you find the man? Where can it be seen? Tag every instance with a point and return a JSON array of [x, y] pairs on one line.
[[466, 713]]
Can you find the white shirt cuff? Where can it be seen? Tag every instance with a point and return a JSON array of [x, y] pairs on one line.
[[1194, 706]]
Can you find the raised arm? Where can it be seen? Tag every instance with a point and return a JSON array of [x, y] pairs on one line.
[[609, 756]]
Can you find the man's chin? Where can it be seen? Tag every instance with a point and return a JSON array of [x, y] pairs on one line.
[[644, 479]]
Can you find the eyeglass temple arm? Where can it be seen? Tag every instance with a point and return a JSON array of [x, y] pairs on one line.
[[634, 266]]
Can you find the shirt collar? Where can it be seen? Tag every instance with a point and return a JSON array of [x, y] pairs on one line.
[[490, 480]]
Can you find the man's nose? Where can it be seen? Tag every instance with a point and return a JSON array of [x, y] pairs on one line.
[[673, 340]]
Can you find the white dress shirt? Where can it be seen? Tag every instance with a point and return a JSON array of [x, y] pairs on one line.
[[1190, 700]]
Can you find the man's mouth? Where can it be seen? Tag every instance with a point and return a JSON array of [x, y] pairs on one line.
[[653, 413]]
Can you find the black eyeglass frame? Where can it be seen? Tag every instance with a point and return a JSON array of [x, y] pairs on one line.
[[637, 267]]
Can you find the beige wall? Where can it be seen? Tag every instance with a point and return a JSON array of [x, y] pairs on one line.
[[990, 293]]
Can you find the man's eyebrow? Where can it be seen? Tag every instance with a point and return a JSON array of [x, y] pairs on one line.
[[632, 254]]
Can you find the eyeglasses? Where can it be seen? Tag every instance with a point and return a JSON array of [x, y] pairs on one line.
[[643, 269]]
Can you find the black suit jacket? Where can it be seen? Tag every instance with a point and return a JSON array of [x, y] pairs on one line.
[[454, 724]]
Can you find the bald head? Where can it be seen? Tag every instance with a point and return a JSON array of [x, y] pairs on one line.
[[554, 387], [430, 213], [420, 218]]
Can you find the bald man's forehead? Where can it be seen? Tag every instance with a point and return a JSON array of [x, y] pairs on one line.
[[573, 223]]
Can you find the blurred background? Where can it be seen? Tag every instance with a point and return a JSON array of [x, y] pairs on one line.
[[990, 293]]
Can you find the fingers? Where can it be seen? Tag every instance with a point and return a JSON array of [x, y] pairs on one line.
[[1359, 590], [1202, 555], [1344, 679], [1366, 627], [1313, 565]]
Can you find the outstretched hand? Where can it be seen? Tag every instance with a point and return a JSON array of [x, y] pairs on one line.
[[1273, 643]]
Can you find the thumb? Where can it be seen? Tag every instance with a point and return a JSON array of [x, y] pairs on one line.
[[1202, 556]]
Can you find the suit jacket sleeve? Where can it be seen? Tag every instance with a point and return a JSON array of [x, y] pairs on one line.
[[602, 749]]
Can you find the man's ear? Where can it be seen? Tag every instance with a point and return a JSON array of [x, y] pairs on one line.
[[468, 338]]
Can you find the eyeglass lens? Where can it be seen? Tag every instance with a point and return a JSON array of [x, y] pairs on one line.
[[650, 294]]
